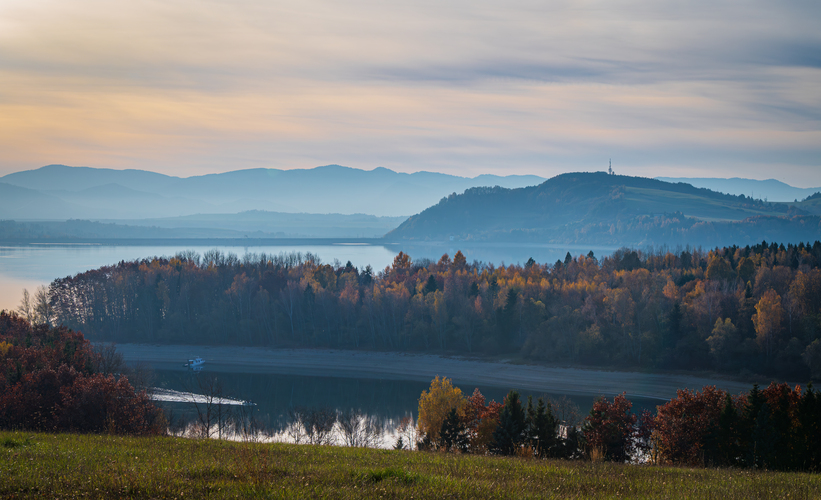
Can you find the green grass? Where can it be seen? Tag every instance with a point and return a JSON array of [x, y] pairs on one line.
[[77, 466], [706, 208]]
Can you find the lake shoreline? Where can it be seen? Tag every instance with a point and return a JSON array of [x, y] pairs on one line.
[[465, 372]]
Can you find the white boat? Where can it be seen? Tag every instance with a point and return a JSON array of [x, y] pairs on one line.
[[195, 362]]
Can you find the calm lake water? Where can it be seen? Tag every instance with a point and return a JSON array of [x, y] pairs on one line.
[[274, 394], [34, 265]]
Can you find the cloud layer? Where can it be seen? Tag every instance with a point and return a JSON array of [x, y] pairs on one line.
[[700, 88]]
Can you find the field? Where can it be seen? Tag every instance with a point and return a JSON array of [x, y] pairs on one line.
[[90, 466]]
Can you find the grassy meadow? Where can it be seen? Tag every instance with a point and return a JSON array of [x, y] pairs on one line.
[[100, 466]]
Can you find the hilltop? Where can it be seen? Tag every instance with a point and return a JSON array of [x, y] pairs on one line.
[[598, 208]]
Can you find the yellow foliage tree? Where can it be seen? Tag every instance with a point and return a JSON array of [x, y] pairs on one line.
[[767, 319], [434, 405]]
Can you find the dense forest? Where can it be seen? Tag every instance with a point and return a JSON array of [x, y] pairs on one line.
[[755, 309]]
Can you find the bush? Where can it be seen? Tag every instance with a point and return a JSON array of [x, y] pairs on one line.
[[48, 383]]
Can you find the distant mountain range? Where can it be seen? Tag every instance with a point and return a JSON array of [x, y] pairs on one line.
[[602, 209], [62, 192], [341, 202], [769, 190]]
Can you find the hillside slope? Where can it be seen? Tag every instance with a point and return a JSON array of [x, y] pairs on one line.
[[598, 208], [770, 189], [99, 467]]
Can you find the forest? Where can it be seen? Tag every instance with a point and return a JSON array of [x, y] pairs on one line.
[[750, 310]]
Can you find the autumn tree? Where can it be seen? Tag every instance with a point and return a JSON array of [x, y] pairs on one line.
[[609, 429], [434, 406], [719, 269], [767, 320], [48, 383], [683, 424], [723, 340]]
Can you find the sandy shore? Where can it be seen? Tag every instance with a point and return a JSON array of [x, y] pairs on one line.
[[465, 373]]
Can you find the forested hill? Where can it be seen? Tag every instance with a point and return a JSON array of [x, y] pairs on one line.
[[598, 208]]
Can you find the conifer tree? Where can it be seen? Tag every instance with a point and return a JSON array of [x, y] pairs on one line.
[[453, 433], [509, 432], [545, 426]]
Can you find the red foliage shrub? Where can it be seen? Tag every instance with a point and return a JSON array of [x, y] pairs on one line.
[[47, 383], [682, 425], [610, 429]]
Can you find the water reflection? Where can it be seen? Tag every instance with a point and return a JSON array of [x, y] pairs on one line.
[[276, 395]]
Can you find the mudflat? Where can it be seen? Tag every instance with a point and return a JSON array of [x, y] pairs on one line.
[[423, 367]]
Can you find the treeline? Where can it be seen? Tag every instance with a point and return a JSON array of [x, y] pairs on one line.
[[677, 229], [52, 380], [752, 309], [777, 428]]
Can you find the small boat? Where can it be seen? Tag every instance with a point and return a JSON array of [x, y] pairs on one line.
[[195, 362]]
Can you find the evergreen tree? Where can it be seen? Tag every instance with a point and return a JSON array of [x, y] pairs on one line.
[[430, 286], [569, 446], [510, 430], [722, 442], [762, 440], [808, 451], [530, 421], [749, 424], [780, 436], [400, 444], [453, 432], [544, 434]]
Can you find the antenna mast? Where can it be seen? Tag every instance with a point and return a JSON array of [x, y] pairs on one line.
[[610, 167]]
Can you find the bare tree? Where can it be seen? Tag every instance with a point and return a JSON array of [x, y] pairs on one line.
[[26, 309], [246, 425], [408, 431], [43, 309], [359, 429], [566, 412], [108, 360], [210, 406], [140, 375], [311, 425]]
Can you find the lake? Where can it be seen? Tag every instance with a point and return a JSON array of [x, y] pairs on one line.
[[32, 265], [275, 393], [29, 266]]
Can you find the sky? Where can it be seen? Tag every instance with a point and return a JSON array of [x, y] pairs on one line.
[[713, 88]]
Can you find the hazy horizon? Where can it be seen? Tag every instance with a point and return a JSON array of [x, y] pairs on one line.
[[808, 185], [190, 88]]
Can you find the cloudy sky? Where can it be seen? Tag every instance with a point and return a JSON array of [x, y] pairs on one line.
[[710, 88]]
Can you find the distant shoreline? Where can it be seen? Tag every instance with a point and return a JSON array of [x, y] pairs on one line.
[[464, 372], [238, 242]]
